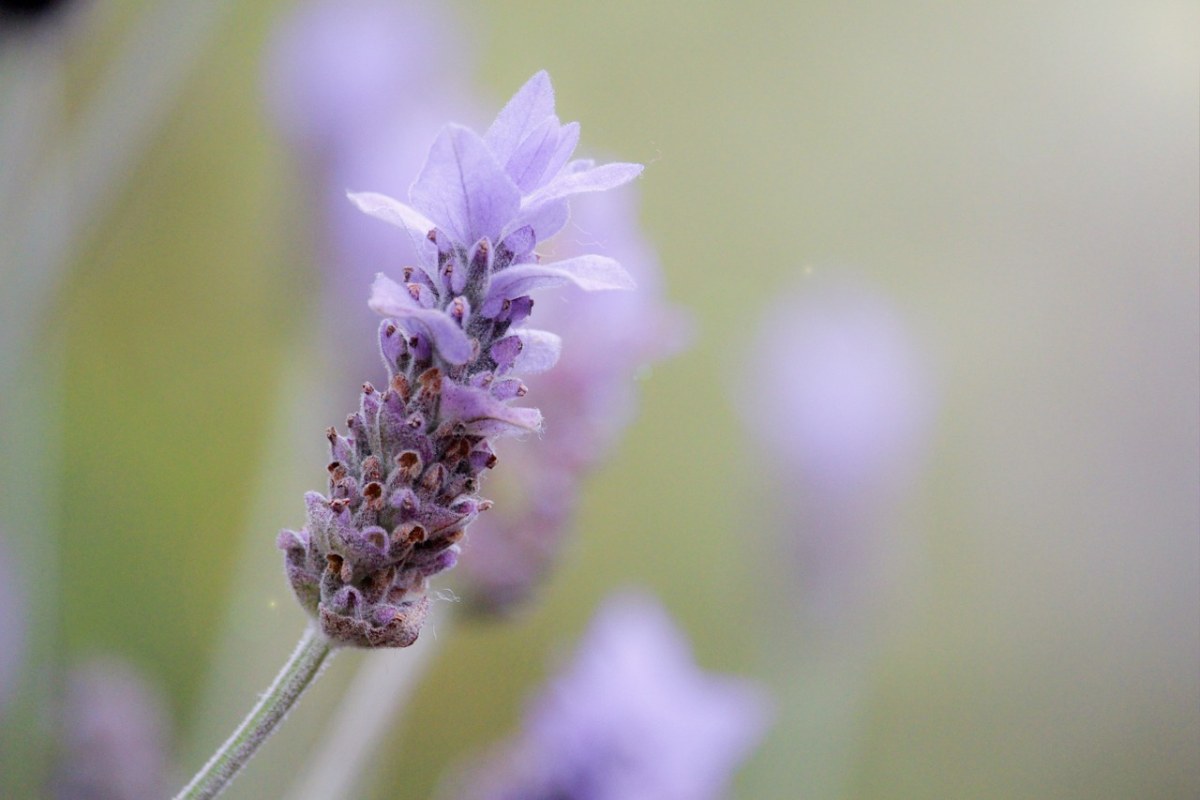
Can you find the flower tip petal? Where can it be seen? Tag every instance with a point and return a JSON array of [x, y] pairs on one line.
[[540, 351], [463, 188], [531, 104], [584, 178], [591, 273], [388, 297], [393, 300], [389, 209], [596, 273], [484, 415], [621, 279]]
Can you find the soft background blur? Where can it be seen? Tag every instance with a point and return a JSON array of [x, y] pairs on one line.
[[1019, 180]]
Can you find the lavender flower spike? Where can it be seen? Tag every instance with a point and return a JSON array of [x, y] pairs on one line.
[[403, 483], [631, 719]]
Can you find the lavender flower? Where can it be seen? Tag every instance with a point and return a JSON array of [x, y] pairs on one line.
[[113, 736], [590, 396], [631, 719], [403, 483], [845, 417]]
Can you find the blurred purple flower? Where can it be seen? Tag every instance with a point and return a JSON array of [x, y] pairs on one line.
[[632, 718], [114, 736], [589, 398], [403, 483], [340, 72], [12, 626], [360, 88], [845, 416]]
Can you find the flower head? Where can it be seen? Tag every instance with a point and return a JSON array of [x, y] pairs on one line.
[[403, 483], [632, 718]]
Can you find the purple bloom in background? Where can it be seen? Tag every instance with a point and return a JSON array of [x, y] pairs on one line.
[[403, 483], [12, 627], [845, 417], [337, 72], [589, 397], [114, 736], [360, 88], [632, 718]]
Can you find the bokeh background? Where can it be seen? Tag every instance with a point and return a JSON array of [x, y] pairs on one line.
[[1018, 184]]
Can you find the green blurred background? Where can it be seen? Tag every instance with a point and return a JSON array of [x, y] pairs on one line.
[[1021, 178]]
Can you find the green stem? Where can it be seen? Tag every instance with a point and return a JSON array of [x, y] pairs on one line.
[[375, 700], [310, 657]]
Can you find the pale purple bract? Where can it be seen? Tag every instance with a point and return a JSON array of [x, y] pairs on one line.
[[403, 484]]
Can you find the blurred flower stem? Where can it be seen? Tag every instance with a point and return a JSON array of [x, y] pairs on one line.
[[31, 109], [55, 186], [125, 110], [310, 657]]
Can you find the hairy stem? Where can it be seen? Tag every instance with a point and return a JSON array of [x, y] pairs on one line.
[[375, 701], [310, 657]]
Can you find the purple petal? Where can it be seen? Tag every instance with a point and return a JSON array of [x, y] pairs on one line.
[[505, 351], [528, 164], [539, 351], [483, 414], [631, 717], [591, 273], [596, 179], [390, 298], [518, 243], [463, 189], [507, 389], [568, 138], [546, 219], [393, 300], [532, 103], [392, 210]]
